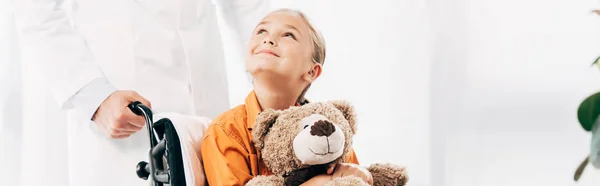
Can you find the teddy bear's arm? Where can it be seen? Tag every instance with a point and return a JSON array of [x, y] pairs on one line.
[[388, 174], [266, 181], [347, 181]]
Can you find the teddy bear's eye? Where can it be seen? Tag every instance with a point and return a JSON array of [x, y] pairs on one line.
[[305, 126]]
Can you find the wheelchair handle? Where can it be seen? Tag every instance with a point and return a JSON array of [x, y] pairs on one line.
[[142, 110], [144, 169], [139, 109]]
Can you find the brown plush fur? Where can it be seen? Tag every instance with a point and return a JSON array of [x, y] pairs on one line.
[[274, 132], [266, 120], [347, 181], [346, 108], [266, 180], [387, 174]]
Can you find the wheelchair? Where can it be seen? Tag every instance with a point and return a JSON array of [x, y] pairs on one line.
[[165, 158]]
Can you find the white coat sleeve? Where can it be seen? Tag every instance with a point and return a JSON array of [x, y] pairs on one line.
[[47, 39], [89, 98], [242, 16]]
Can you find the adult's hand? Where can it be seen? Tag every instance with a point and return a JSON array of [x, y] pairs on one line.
[[115, 118]]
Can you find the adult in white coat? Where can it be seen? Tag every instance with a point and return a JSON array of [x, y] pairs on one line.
[[100, 55]]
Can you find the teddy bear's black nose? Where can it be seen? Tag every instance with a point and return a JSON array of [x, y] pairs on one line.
[[322, 128]]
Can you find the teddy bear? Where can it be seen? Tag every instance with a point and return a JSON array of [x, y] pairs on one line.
[[301, 142]]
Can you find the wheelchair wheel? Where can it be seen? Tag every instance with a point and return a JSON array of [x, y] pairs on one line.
[[174, 156]]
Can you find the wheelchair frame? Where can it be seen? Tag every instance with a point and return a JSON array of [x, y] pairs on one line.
[[165, 164]]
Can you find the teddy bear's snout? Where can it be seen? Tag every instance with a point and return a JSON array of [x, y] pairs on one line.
[[319, 140], [322, 128]]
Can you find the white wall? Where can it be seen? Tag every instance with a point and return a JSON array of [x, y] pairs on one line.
[[10, 94], [507, 78]]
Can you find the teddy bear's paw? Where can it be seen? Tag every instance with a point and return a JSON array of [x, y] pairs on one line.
[[347, 181], [266, 180], [388, 174]]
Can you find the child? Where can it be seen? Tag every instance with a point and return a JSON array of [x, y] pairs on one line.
[[284, 57]]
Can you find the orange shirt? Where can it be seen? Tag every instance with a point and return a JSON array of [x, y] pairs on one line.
[[228, 153]]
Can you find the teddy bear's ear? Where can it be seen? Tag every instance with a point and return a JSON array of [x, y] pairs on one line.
[[264, 121], [348, 111]]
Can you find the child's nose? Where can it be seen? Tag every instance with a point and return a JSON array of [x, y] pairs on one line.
[[269, 41]]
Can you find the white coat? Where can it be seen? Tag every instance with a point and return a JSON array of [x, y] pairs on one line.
[[169, 51]]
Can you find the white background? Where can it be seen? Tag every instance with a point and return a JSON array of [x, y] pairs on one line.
[[463, 92], [507, 78]]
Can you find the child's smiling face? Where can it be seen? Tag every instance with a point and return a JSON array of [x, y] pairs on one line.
[[280, 49]]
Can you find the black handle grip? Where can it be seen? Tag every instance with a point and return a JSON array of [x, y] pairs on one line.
[[133, 107], [141, 110]]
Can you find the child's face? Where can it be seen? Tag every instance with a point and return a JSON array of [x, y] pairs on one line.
[[280, 50]]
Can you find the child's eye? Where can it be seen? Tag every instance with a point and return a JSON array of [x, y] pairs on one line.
[[289, 35], [260, 31]]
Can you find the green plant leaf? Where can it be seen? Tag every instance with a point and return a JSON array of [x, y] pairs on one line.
[[588, 111], [596, 61], [580, 169]]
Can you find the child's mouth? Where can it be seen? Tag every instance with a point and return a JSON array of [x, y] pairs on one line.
[[269, 52]]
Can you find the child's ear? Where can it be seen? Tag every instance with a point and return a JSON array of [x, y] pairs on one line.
[[313, 73], [264, 121], [348, 111]]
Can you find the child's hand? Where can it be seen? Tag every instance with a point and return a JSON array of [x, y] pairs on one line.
[[345, 169]]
